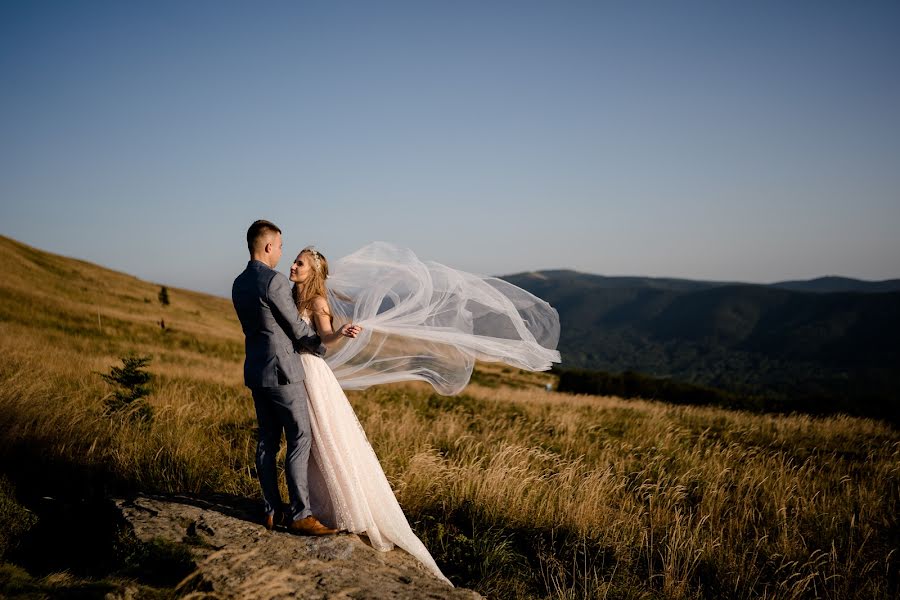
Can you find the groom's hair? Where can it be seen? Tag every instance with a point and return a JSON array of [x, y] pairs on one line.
[[259, 230]]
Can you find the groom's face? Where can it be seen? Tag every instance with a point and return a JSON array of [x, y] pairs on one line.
[[275, 250]]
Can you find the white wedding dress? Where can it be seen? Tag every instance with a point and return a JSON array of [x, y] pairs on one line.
[[421, 321], [347, 487]]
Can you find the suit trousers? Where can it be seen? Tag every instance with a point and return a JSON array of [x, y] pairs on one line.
[[283, 408]]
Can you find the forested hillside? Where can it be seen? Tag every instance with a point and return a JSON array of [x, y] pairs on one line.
[[811, 346]]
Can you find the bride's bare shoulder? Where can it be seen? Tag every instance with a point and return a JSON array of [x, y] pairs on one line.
[[320, 305]]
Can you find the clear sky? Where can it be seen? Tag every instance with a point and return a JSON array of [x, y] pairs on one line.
[[754, 141]]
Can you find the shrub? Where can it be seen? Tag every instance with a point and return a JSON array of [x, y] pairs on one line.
[[131, 386]]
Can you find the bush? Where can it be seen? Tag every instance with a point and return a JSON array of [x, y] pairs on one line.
[[131, 386], [634, 385]]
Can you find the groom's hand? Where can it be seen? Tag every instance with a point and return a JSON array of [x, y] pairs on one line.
[[311, 343]]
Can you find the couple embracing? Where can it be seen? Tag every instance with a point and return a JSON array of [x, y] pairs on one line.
[[438, 320]]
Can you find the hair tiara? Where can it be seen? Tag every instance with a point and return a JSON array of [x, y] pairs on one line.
[[317, 261]]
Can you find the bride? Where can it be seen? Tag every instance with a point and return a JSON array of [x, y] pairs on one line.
[[411, 320]]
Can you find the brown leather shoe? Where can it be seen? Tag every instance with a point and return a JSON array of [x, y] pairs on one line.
[[309, 526], [270, 521]]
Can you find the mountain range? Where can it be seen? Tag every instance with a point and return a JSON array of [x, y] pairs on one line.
[[829, 336]]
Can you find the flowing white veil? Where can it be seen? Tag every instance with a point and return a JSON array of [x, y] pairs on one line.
[[426, 321]]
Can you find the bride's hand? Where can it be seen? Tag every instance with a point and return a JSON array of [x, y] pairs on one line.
[[350, 330]]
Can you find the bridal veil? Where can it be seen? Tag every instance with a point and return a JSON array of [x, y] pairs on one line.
[[425, 321]]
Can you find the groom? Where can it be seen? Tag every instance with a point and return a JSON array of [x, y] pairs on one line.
[[274, 330]]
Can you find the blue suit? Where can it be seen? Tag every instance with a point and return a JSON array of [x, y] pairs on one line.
[[274, 333]]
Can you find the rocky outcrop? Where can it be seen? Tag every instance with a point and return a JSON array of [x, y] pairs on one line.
[[237, 558]]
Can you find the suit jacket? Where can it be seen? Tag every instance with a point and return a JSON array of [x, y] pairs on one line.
[[273, 329]]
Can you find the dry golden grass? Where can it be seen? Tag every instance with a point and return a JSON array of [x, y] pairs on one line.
[[518, 492]]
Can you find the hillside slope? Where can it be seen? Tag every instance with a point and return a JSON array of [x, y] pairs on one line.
[[516, 491], [747, 338], [69, 303]]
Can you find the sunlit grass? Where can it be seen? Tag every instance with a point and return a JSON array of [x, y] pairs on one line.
[[518, 492]]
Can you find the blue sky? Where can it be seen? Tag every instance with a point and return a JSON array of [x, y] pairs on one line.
[[711, 140]]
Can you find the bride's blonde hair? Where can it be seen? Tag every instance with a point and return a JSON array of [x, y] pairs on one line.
[[314, 285]]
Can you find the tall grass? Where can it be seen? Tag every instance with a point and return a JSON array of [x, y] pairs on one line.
[[518, 492], [680, 501]]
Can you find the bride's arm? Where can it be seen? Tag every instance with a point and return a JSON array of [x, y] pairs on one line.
[[321, 318]]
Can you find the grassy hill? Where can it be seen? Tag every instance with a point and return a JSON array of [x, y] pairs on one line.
[[517, 492]]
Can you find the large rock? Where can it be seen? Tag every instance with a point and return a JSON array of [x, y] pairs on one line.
[[238, 558]]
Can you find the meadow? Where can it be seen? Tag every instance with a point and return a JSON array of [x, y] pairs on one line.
[[518, 492]]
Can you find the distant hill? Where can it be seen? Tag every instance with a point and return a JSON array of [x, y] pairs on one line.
[[840, 284], [826, 284], [790, 338]]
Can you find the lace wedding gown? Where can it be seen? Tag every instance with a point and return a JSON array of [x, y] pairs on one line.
[[421, 321], [347, 487]]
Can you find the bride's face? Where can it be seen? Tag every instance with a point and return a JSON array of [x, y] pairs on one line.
[[301, 268]]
